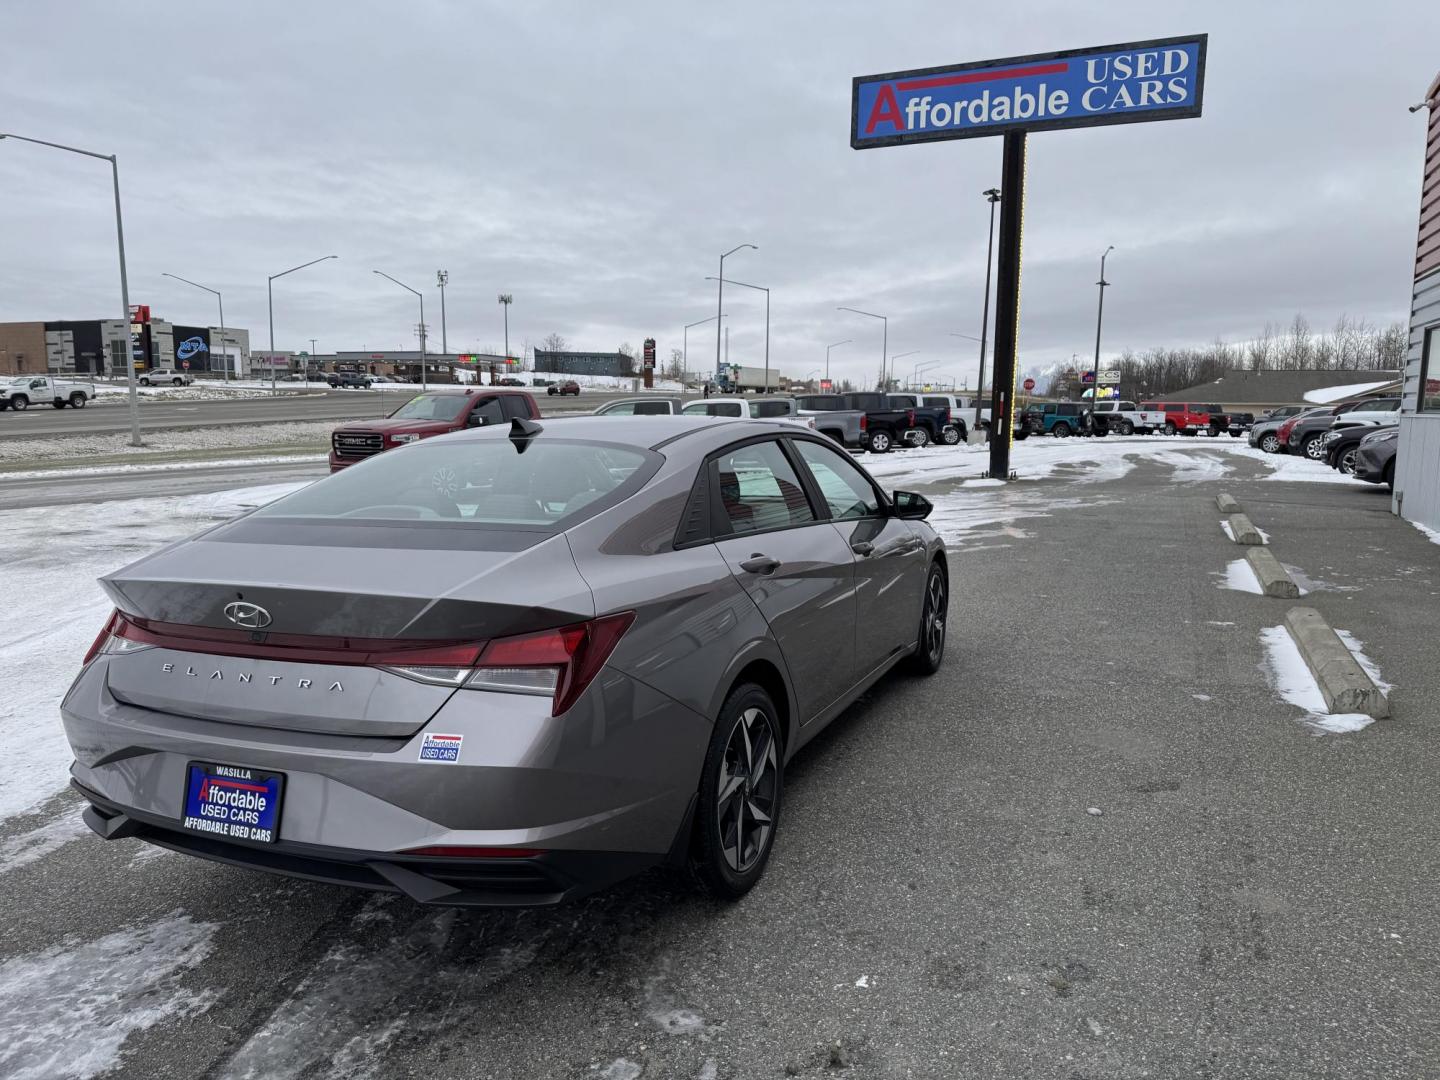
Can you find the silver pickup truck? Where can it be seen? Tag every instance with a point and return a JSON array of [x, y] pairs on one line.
[[22, 391], [845, 426]]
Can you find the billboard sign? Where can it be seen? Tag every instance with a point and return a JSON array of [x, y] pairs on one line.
[[1111, 84]]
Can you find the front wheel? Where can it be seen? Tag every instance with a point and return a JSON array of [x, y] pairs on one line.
[[1061, 431], [1270, 443], [144, 382], [951, 435], [920, 438], [930, 649], [20, 403], [879, 442], [177, 382], [740, 794], [1346, 464]]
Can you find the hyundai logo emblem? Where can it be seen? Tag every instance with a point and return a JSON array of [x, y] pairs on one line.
[[250, 616]]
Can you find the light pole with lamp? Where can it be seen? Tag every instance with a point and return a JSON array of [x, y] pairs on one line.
[[898, 356], [124, 282], [424, 385], [884, 341], [760, 288], [505, 299], [827, 356], [221, 300], [442, 278], [685, 347], [270, 306], [993, 194], [1099, 317], [720, 298], [918, 368]]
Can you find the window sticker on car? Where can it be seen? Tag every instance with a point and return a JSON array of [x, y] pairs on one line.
[[441, 748]]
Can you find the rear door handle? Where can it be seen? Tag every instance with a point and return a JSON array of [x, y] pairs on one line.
[[862, 547], [760, 564]]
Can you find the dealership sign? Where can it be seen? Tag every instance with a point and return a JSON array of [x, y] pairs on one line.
[[1112, 84]]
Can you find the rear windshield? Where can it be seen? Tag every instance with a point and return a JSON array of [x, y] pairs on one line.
[[432, 407], [822, 403], [937, 402], [761, 409], [480, 482], [712, 408]]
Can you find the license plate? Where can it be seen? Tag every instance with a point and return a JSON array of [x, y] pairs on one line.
[[232, 802]]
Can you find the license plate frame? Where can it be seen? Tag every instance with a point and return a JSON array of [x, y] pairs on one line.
[[232, 802]]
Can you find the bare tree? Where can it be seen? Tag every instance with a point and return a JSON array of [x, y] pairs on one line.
[[1261, 350], [553, 343]]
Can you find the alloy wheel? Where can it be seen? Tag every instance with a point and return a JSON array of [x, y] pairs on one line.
[[1314, 448], [1347, 462], [1270, 444], [951, 435], [749, 785], [935, 618]]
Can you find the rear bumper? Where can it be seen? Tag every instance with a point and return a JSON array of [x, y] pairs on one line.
[[548, 878]]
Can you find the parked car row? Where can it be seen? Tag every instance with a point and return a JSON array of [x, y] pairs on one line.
[[1313, 432]]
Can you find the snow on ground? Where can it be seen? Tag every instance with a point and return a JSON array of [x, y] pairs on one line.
[[54, 609], [1357, 650], [66, 1012], [1240, 577], [1433, 535], [311, 433], [117, 393], [1290, 676], [1327, 395]]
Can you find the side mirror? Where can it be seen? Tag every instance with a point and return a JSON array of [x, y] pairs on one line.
[[475, 420], [909, 506]]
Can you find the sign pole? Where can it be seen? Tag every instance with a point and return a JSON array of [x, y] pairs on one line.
[[1007, 304]]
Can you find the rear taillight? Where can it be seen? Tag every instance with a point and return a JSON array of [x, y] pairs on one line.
[[560, 662], [909, 417], [864, 422], [103, 638]]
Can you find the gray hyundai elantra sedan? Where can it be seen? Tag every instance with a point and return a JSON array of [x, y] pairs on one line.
[[510, 665]]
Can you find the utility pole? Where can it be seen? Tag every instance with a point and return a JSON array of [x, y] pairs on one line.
[[993, 194], [442, 278], [1099, 318], [1007, 304]]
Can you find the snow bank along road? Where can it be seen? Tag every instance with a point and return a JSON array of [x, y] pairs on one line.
[[1103, 842]]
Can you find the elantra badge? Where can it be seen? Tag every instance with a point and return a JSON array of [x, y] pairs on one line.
[[245, 614]]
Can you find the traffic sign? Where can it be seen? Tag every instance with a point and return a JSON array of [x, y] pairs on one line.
[[1109, 377], [1087, 376], [185, 364], [1029, 385]]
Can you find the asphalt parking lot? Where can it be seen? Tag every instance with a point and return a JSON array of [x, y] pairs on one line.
[[1096, 845]]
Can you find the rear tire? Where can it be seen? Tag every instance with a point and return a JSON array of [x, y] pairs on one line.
[[742, 782], [77, 401], [58, 404], [1061, 431], [1169, 428], [1127, 428], [929, 651], [879, 442]]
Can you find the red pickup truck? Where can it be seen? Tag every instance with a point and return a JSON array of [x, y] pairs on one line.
[[1190, 419], [437, 412]]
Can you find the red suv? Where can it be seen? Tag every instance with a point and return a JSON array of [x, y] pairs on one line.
[[569, 386], [435, 413]]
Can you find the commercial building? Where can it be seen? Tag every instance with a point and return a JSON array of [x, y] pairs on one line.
[[585, 363], [1417, 460], [96, 347], [1255, 391]]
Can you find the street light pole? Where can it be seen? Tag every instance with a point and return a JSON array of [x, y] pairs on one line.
[[827, 355], [993, 194], [720, 298], [505, 299], [766, 291], [898, 356], [134, 403], [1099, 318], [424, 384], [685, 347], [884, 343], [218, 297], [442, 278], [270, 306]]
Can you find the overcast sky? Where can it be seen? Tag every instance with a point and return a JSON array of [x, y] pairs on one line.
[[595, 159]]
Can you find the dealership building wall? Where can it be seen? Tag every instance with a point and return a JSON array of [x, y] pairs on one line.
[[1417, 461], [91, 346]]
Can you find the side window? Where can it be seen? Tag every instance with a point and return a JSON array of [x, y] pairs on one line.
[[1171, 406], [697, 408], [620, 408], [762, 409], [1069, 410], [514, 405], [487, 412], [846, 492], [903, 401], [1126, 406], [759, 490], [652, 408], [938, 403]]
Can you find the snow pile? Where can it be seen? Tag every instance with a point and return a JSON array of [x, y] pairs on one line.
[[1291, 678], [67, 1011], [1240, 577], [54, 609], [1328, 395], [117, 393]]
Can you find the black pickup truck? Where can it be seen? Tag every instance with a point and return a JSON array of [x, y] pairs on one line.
[[885, 425], [933, 423]]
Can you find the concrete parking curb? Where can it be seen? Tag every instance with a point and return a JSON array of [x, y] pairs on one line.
[[1243, 530], [1343, 682], [1273, 577], [1227, 504]]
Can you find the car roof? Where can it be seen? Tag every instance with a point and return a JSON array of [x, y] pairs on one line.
[[648, 432]]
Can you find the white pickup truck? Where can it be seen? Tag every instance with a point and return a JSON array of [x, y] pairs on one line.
[[21, 391], [1125, 418]]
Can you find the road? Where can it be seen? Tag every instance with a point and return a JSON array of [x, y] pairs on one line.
[[288, 407], [78, 490], [1095, 845]]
